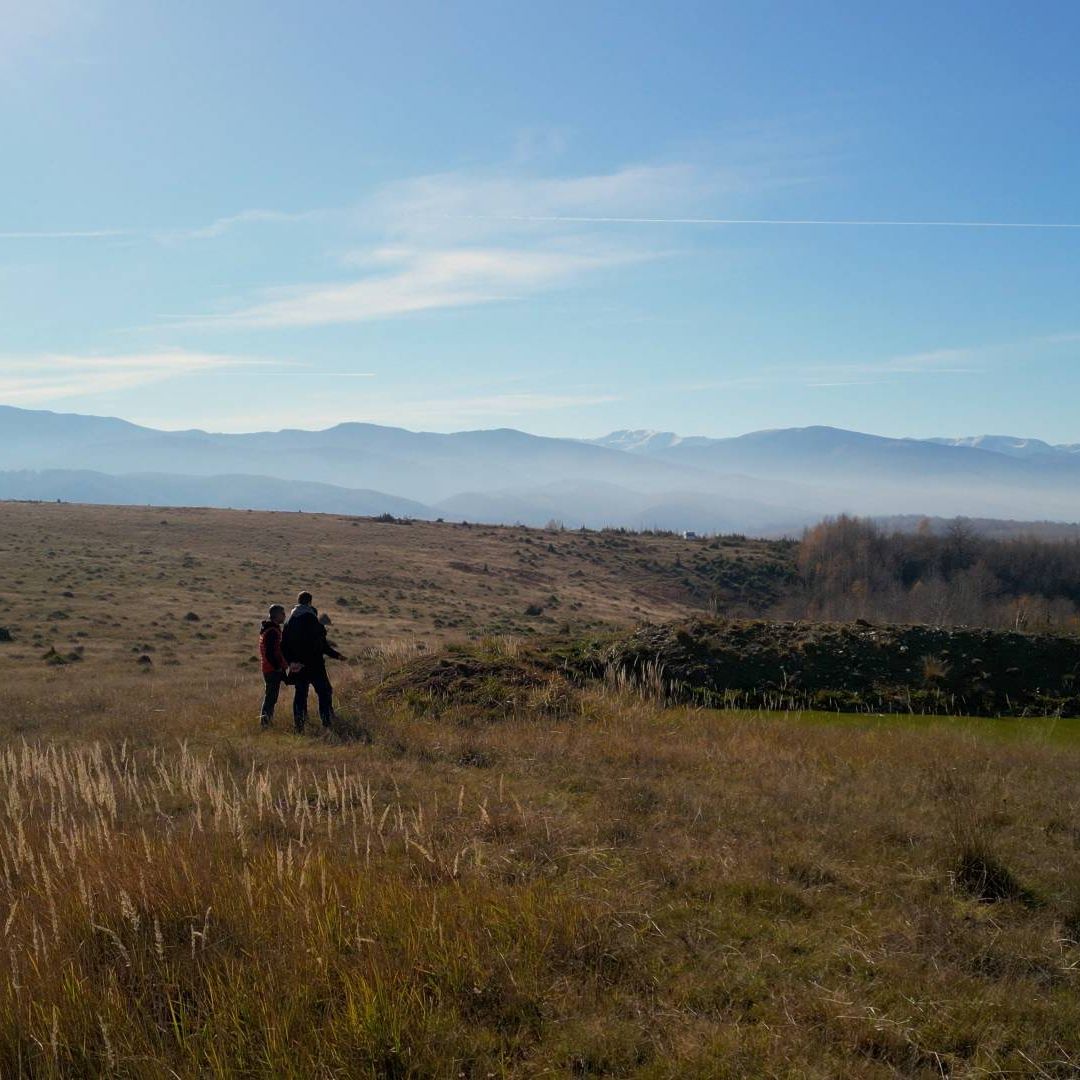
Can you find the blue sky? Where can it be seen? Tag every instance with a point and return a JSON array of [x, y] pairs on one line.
[[243, 215]]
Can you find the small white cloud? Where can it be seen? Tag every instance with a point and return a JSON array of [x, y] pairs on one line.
[[407, 280], [33, 380]]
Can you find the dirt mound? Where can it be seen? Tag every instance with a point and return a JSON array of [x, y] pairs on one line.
[[467, 684], [849, 667], [856, 667]]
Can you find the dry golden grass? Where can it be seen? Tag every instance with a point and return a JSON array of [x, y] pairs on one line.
[[595, 884], [116, 580]]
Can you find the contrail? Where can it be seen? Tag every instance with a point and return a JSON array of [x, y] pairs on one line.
[[72, 234], [780, 221]]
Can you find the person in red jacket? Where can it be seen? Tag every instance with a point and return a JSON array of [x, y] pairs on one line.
[[274, 666]]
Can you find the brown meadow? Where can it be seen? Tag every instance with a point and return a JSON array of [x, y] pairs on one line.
[[592, 883]]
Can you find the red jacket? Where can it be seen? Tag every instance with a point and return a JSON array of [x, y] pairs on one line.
[[270, 648]]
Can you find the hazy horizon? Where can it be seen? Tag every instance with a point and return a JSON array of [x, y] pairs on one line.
[[763, 483]]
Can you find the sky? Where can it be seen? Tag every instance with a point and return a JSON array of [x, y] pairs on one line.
[[561, 217]]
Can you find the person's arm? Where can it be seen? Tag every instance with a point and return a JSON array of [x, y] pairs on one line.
[[327, 648], [277, 657]]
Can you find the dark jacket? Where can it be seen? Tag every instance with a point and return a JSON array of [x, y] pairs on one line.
[[270, 648], [303, 639]]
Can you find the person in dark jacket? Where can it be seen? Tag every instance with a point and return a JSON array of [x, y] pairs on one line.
[[304, 643], [274, 665]]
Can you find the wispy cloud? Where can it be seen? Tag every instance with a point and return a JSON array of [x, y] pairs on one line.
[[888, 369], [167, 235], [48, 377], [961, 361], [966, 360], [66, 234], [474, 237], [443, 201], [403, 281], [429, 216], [582, 219], [222, 225], [461, 239], [512, 198]]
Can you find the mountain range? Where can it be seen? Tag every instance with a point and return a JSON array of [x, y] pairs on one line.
[[764, 482]]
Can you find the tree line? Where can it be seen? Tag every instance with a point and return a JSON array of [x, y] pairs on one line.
[[852, 568]]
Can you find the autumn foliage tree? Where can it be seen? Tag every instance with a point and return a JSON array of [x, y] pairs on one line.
[[850, 568]]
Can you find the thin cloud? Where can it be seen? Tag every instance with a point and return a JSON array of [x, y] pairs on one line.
[[430, 253], [33, 380], [66, 234], [469, 238], [579, 219], [425, 260], [168, 235], [223, 225], [508, 196], [934, 362], [406, 281], [453, 205], [890, 369], [217, 228]]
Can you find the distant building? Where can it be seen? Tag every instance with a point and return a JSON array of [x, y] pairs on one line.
[[689, 535]]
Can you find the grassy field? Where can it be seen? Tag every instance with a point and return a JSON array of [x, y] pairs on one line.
[[563, 882], [115, 579]]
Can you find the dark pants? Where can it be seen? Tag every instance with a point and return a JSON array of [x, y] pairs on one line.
[[319, 681], [273, 688]]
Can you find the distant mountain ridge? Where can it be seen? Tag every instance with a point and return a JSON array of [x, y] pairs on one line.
[[647, 441], [1010, 444], [763, 482]]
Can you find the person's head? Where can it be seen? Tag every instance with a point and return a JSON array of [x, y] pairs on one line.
[[277, 614], [304, 598]]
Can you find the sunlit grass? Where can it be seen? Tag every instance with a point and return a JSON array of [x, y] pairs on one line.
[[542, 877], [618, 888]]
